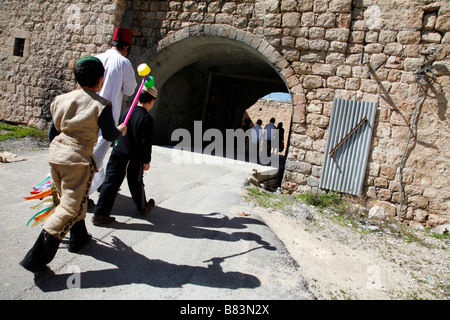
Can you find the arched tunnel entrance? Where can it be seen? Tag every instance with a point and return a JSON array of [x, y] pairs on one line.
[[213, 80], [210, 79]]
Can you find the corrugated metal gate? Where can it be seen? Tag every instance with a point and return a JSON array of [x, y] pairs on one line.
[[348, 144]]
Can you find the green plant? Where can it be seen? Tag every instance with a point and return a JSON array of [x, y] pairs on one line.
[[323, 200], [268, 199], [8, 131]]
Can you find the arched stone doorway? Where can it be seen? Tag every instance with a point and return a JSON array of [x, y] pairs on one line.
[[191, 66], [210, 78]]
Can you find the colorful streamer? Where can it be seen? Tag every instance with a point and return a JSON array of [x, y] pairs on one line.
[[46, 206]]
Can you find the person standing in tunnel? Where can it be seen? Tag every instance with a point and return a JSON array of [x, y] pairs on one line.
[[280, 137], [119, 80], [269, 135], [255, 139]]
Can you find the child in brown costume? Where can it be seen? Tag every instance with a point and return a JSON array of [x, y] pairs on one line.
[[77, 118]]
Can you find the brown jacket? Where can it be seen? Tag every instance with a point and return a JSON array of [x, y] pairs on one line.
[[75, 116]]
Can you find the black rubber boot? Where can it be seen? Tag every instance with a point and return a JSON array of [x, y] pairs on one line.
[[79, 236], [42, 252]]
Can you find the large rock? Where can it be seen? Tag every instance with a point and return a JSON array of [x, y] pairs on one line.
[[377, 213]]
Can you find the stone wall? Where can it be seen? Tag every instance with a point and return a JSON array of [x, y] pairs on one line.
[[56, 34], [397, 36], [321, 49]]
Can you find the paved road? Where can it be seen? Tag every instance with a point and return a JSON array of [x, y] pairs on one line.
[[193, 245]]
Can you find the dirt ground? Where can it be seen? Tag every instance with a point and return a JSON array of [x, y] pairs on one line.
[[342, 263]]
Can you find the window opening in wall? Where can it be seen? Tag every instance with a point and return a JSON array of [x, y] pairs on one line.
[[19, 46]]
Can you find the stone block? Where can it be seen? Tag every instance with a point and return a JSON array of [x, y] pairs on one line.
[[388, 172], [335, 58], [443, 19], [420, 215], [368, 85], [312, 82], [342, 6], [288, 5], [324, 69], [357, 37], [435, 220], [352, 83], [338, 34], [224, 18], [288, 42], [326, 20], [325, 94], [336, 82], [302, 44], [338, 46], [408, 37], [315, 107], [319, 45], [371, 192], [359, 72], [307, 19], [290, 19], [317, 120], [400, 133], [431, 37], [245, 9], [407, 18], [272, 20], [429, 21], [290, 54], [344, 71], [316, 33], [313, 181], [371, 37], [343, 20], [394, 62], [387, 36], [382, 130], [316, 171], [300, 167], [305, 5], [312, 56], [393, 49], [413, 64], [302, 141], [418, 201], [381, 183], [315, 132], [301, 67], [314, 157], [384, 195], [320, 6], [289, 186], [373, 48]]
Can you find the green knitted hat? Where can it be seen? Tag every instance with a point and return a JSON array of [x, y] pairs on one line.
[[87, 58]]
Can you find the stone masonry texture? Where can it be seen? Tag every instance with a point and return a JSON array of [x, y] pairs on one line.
[[320, 48]]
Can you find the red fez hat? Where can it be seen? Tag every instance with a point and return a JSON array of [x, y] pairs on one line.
[[123, 35]]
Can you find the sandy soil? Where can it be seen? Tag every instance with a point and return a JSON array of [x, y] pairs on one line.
[[340, 262]]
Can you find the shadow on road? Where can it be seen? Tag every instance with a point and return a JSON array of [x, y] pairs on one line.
[[132, 267]]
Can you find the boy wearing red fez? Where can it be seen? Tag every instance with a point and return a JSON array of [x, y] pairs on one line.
[[77, 117], [119, 80]]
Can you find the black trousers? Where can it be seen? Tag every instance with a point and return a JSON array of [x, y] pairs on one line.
[[118, 166]]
